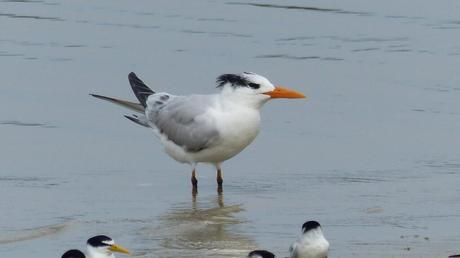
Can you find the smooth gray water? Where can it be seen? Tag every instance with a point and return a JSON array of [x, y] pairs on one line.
[[373, 154]]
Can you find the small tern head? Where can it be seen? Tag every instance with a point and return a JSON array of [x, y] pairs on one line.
[[103, 245]]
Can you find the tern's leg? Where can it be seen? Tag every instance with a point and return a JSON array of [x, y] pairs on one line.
[[194, 182], [219, 178]]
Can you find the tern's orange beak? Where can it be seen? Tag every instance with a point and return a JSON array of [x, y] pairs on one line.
[[280, 92]]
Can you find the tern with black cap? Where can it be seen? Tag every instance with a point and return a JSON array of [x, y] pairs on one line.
[[204, 128], [97, 247], [311, 244]]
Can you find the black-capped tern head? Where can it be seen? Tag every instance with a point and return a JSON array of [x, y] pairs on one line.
[[252, 88], [103, 247]]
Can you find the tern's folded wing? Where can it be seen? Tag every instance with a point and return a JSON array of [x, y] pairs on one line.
[[293, 250], [184, 120]]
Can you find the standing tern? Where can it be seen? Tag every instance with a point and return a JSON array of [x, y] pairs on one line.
[[98, 247], [204, 128], [311, 244]]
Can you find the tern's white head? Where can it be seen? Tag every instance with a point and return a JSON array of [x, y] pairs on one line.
[[312, 243], [261, 254], [252, 89], [103, 247]]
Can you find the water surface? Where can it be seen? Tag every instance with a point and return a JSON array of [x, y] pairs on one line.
[[373, 154]]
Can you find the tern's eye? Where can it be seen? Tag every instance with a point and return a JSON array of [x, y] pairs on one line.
[[254, 85]]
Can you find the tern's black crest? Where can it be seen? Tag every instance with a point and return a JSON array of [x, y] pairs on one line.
[[234, 79], [261, 253], [98, 241], [74, 253], [309, 225], [140, 89]]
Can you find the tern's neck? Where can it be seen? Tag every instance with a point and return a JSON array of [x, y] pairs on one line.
[[92, 253], [243, 100]]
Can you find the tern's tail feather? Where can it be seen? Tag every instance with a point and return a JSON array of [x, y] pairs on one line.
[[124, 103], [140, 120], [141, 90]]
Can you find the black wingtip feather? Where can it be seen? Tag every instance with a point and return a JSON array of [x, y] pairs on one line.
[[136, 120], [140, 89]]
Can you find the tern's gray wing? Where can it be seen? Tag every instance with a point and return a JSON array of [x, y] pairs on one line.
[[293, 250], [183, 119]]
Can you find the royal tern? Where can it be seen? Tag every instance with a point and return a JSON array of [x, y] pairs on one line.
[[205, 128], [97, 247], [311, 244], [261, 254]]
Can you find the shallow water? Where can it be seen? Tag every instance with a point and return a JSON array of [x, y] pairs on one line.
[[373, 154]]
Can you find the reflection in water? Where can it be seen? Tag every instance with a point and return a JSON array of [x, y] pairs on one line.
[[200, 229]]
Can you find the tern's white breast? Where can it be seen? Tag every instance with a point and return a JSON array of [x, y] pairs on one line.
[[237, 129], [313, 244]]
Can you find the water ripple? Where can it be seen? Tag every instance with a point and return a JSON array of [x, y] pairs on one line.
[[217, 33], [291, 57], [35, 17], [303, 8], [22, 123]]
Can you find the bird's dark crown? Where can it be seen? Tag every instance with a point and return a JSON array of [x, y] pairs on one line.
[[309, 225], [262, 253], [98, 241], [74, 253], [235, 80]]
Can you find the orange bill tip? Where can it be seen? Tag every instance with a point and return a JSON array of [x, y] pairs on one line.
[[285, 93]]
